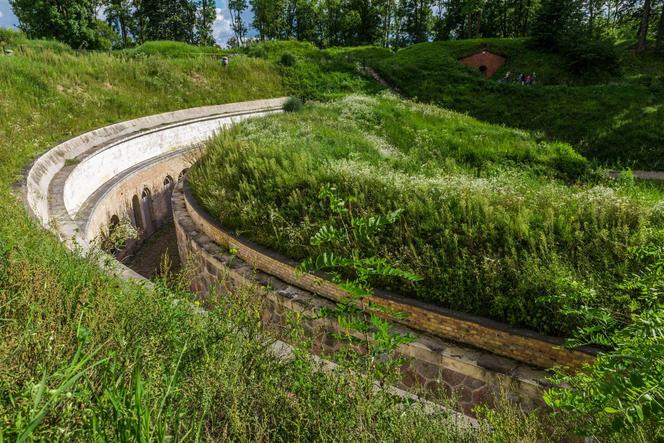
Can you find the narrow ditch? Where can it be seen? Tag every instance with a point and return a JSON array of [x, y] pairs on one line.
[[148, 259]]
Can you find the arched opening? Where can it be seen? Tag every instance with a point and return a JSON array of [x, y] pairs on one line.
[[182, 174], [483, 70], [136, 211], [146, 211], [168, 182], [167, 194]]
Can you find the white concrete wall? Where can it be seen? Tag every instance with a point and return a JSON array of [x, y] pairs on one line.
[[45, 168], [109, 165]]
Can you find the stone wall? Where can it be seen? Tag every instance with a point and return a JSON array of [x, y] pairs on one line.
[[435, 364]]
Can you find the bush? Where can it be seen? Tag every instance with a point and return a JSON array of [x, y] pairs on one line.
[[10, 36], [288, 59], [596, 58], [293, 104]]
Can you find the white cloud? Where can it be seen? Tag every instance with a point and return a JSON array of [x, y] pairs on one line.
[[221, 29], [1, 14]]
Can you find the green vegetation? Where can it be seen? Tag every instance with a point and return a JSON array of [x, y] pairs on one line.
[[320, 74], [496, 223], [88, 357], [618, 123], [173, 49], [85, 356]]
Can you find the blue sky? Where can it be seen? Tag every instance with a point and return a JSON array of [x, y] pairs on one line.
[[222, 26]]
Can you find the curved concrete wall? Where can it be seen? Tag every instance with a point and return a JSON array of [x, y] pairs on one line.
[[77, 187]]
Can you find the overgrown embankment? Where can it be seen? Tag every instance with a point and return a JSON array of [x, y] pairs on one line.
[[88, 357], [497, 223]]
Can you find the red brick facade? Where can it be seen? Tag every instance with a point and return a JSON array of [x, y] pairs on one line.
[[486, 62]]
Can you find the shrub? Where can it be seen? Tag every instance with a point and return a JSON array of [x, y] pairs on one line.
[[293, 104], [595, 58], [288, 59]]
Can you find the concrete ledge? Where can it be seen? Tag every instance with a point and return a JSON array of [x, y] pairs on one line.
[[77, 149]]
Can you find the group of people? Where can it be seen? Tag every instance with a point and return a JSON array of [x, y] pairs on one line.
[[520, 78]]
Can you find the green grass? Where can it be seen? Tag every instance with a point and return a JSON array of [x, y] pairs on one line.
[[614, 120], [173, 50], [321, 74], [87, 357], [497, 223]]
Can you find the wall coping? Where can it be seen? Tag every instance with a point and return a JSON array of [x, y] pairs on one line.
[[541, 350]]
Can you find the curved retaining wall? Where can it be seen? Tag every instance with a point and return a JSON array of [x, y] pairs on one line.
[[473, 375], [497, 338], [125, 172]]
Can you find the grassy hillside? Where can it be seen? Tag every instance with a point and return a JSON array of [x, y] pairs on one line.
[[86, 357], [618, 122], [321, 74], [496, 223]]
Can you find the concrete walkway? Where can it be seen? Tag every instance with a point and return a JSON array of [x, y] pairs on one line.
[[643, 175]]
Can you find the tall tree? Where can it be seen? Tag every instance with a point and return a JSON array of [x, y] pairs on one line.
[[206, 14], [120, 14], [363, 22], [556, 21], [659, 42], [418, 17], [269, 18], [642, 39], [236, 9], [71, 21], [169, 20]]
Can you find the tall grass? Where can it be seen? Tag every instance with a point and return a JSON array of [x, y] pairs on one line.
[[87, 357], [495, 222]]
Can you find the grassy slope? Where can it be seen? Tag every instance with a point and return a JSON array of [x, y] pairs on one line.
[[87, 357], [617, 122], [496, 223], [163, 370], [321, 74]]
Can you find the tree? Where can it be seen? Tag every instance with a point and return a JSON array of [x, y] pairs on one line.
[[304, 19], [660, 31], [556, 21], [236, 8], [418, 17], [206, 14], [120, 15], [642, 39], [269, 18], [169, 20], [71, 21]]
